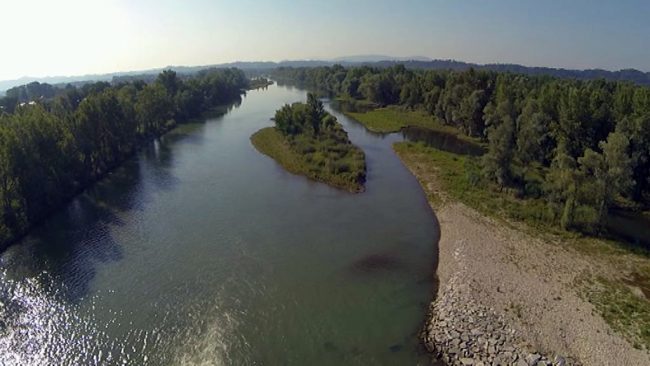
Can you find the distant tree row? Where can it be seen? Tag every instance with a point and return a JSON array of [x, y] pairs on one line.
[[581, 146], [55, 144]]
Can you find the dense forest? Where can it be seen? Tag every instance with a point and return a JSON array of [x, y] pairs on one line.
[[633, 75], [581, 147], [309, 141], [54, 142]]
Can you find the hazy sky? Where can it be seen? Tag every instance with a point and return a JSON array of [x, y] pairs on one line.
[[73, 37]]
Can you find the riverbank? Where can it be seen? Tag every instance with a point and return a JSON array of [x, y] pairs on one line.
[[510, 296]]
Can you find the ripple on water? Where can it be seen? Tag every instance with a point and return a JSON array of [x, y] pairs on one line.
[[38, 327]]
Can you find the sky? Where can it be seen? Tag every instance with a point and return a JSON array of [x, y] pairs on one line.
[[77, 37]]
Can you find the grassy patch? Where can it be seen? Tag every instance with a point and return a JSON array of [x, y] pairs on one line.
[[394, 118], [330, 160], [622, 309], [458, 178]]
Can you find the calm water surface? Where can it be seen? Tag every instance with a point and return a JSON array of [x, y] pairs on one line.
[[201, 251]]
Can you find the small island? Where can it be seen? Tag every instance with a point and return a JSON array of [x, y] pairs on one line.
[[259, 83], [306, 140]]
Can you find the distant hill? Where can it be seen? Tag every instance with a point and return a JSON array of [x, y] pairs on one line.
[[377, 58], [415, 62]]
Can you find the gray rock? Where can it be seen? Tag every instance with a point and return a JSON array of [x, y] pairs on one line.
[[466, 361], [559, 361], [532, 359]]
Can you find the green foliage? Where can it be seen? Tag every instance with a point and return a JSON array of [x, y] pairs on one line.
[[58, 142], [309, 141], [581, 147]]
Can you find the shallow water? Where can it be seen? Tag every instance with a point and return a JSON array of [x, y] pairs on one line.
[[202, 251], [442, 141]]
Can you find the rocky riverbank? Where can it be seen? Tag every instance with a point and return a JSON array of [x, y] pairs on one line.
[[509, 298], [463, 331]]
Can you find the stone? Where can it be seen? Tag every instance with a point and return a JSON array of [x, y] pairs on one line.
[[532, 359], [520, 362], [476, 331], [559, 361], [508, 349], [466, 361]]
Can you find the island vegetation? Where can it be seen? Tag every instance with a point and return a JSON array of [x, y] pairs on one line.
[[259, 83], [55, 142], [307, 140]]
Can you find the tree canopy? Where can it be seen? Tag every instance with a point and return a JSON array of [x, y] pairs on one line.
[[55, 142], [582, 146]]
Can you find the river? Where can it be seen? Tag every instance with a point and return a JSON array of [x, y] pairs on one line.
[[201, 251]]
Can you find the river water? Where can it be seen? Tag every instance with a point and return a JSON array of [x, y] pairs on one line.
[[201, 251]]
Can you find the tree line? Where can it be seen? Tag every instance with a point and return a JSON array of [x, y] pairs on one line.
[[582, 147], [53, 143]]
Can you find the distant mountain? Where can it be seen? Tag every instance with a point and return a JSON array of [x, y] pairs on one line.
[[415, 62], [54, 80], [377, 58]]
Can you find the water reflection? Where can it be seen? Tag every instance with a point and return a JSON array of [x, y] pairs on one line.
[[442, 141], [633, 227]]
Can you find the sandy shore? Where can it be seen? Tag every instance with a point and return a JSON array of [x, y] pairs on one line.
[[511, 297]]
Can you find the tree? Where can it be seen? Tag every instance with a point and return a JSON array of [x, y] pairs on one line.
[[169, 81], [316, 112], [618, 166], [561, 186], [501, 131], [154, 110], [533, 134]]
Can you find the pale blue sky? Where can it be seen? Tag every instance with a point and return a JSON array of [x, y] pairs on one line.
[[72, 37]]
